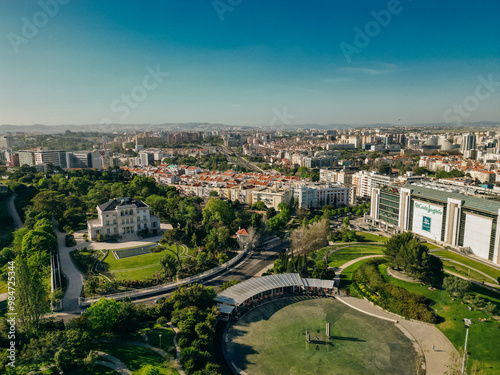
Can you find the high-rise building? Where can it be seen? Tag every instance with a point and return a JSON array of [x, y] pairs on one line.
[[468, 144]]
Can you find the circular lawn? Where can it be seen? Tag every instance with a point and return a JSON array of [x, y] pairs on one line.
[[271, 339]]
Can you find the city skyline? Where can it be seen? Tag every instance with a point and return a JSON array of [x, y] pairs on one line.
[[242, 63]]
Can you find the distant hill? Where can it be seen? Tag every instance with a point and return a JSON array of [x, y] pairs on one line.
[[195, 126]]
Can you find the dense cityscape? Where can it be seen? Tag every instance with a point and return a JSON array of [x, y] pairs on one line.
[[249, 187]]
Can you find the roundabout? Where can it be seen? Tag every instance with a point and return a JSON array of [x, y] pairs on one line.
[[272, 339]]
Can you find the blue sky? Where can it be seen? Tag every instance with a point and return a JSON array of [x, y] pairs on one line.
[[240, 62]]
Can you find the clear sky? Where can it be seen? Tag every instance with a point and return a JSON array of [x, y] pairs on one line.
[[249, 62]]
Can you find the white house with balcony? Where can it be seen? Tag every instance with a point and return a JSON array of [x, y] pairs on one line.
[[124, 219]]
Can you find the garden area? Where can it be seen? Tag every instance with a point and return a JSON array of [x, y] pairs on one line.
[[137, 357], [445, 303]]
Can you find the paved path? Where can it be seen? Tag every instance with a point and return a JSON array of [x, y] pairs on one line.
[[113, 363], [474, 269], [177, 349], [426, 335], [74, 276], [18, 223]]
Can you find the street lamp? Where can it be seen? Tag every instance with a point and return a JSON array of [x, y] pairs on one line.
[[467, 322], [160, 339]]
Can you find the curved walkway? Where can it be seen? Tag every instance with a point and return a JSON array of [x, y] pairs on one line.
[[426, 335], [113, 363], [74, 276], [177, 350], [439, 360]]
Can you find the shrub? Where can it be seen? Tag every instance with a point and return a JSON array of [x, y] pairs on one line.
[[162, 321], [69, 240]]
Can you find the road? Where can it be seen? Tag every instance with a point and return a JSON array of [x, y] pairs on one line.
[[74, 276], [247, 268], [18, 223], [237, 159]]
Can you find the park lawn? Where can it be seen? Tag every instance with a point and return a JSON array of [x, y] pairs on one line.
[[493, 272], [465, 271], [345, 254], [3, 286], [483, 336], [370, 237], [136, 357], [346, 278], [167, 337], [137, 274], [432, 246], [133, 262]]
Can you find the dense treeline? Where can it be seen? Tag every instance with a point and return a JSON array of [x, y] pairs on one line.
[[63, 347]]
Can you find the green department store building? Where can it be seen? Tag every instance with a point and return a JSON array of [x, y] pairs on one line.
[[450, 219]]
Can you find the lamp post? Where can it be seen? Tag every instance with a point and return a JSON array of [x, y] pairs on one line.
[[467, 322], [160, 339]]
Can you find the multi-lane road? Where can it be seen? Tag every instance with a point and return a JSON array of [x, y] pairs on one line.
[[248, 267]]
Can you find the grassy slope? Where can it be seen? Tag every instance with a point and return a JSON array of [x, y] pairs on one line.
[[483, 336], [135, 357], [123, 269], [493, 272], [465, 271], [344, 255]]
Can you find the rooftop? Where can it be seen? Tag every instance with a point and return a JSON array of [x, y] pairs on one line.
[[443, 195], [239, 293], [113, 203]]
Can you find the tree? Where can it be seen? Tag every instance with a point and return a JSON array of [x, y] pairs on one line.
[[346, 222], [102, 315], [169, 265], [50, 202], [490, 309], [150, 370], [213, 194], [216, 211], [322, 272], [63, 360], [406, 252], [32, 297], [270, 212], [255, 220]]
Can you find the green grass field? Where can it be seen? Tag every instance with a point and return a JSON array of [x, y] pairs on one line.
[[370, 237], [484, 337], [493, 272], [138, 267], [465, 271], [346, 278], [271, 340], [135, 357], [346, 254], [167, 337]]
